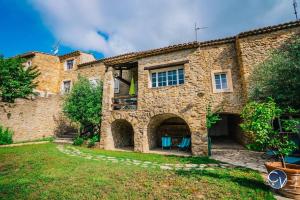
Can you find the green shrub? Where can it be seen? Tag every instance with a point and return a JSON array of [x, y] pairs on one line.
[[258, 122], [93, 140], [83, 105], [78, 141], [5, 136]]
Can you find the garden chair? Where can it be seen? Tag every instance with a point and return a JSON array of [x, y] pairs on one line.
[[185, 143], [166, 142]]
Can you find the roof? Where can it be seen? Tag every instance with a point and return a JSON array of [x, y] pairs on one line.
[[127, 57], [68, 55], [135, 55], [31, 54], [268, 29]]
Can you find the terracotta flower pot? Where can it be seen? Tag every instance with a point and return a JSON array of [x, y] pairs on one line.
[[292, 187]]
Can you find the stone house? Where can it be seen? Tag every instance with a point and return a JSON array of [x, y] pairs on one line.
[[174, 86]]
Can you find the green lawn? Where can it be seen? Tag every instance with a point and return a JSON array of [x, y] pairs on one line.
[[43, 172]]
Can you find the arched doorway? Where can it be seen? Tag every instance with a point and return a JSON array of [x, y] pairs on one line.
[[227, 133], [167, 125], [123, 134]]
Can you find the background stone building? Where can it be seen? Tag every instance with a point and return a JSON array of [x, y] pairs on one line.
[[173, 85]]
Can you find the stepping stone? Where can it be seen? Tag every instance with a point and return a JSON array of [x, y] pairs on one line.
[[166, 167]]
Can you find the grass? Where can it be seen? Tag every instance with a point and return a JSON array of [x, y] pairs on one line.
[[50, 139], [43, 172]]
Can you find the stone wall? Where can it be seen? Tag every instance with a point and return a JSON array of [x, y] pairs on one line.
[[31, 119]]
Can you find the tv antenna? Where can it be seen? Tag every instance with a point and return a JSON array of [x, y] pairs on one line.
[[196, 29], [295, 5], [56, 48]]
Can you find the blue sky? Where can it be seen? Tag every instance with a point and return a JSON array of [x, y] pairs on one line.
[[110, 27]]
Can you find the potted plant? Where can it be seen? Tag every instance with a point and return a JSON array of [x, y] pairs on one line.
[[259, 122]]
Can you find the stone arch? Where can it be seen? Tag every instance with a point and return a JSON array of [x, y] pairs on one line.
[[166, 124], [122, 134]]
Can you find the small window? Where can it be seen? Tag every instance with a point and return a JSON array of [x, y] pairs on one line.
[[69, 64], [116, 86], [66, 87], [28, 64], [221, 81], [167, 78]]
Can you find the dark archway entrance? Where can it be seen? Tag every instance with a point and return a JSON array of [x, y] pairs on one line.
[[123, 134], [167, 125], [226, 133]]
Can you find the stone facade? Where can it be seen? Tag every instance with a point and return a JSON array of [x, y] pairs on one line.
[[238, 55], [49, 66]]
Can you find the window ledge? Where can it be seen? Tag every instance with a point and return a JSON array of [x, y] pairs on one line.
[[223, 91], [167, 86]]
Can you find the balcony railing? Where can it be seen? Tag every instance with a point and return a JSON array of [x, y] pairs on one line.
[[124, 103]]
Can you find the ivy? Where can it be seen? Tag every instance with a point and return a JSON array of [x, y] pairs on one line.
[[211, 117]]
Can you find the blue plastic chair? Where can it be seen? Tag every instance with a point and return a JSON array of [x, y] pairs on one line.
[[185, 143], [292, 160], [166, 142]]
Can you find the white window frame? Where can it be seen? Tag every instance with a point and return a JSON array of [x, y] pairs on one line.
[[63, 88], [228, 79], [167, 80]]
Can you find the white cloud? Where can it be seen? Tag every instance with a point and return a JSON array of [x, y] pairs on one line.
[[143, 24]]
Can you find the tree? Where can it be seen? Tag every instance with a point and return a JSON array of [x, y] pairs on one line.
[[84, 105], [16, 81], [258, 121], [279, 76]]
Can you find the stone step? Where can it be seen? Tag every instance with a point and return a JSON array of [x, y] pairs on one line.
[[67, 136], [64, 140]]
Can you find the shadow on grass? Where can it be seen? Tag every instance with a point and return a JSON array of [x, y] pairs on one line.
[[222, 175]]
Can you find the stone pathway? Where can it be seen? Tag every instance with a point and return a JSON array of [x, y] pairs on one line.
[[73, 151], [238, 157]]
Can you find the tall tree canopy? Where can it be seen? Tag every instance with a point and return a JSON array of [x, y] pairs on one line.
[[16, 81], [279, 76], [84, 105]]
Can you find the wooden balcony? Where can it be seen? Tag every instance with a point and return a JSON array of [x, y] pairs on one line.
[[124, 103]]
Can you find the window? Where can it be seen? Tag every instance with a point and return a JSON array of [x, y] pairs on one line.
[[167, 78], [116, 86], [28, 63], [94, 81], [66, 87], [221, 80], [69, 64]]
